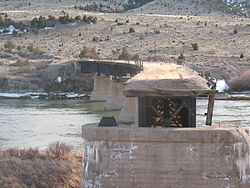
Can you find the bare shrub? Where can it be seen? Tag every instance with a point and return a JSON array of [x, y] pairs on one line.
[[124, 55], [23, 70], [195, 46], [88, 53], [24, 65], [50, 17], [181, 59], [55, 150], [58, 150], [19, 48], [89, 19], [26, 168], [35, 31], [9, 44], [240, 83], [30, 153], [131, 30], [157, 31], [95, 39], [241, 55], [22, 62], [35, 50], [135, 57], [235, 31]]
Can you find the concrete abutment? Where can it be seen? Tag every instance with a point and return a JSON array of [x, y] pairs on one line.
[[128, 157]]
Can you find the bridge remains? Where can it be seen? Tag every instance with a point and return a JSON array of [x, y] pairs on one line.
[[165, 149], [109, 82]]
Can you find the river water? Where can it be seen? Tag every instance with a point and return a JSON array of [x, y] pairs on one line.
[[36, 123]]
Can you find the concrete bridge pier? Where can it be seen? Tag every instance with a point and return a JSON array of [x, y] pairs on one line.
[[101, 88], [129, 111], [115, 98]]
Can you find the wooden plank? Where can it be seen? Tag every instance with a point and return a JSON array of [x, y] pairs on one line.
[[210, 109], [176, 112], [166, 121]]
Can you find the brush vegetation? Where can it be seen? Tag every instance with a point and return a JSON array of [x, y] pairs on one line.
[[241, 82], [55, 166]]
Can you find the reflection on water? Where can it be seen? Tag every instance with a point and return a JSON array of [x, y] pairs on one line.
[[36, 123]]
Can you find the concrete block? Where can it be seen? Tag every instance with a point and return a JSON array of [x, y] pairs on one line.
[[126, 157]]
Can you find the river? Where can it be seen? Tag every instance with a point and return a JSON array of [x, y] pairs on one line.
[[36, 123]]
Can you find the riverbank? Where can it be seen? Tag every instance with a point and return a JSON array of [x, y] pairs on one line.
[[233, 96], [72, 95], [43, 95]]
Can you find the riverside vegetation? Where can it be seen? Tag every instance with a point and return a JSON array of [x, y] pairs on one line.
[[56, 166]]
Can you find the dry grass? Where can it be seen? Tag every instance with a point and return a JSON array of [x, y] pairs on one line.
[[89, 53], [176, 34], [54, 167], [24, 65], [35, 50]]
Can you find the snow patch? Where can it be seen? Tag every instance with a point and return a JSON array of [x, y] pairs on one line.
[[14, 95], [72, 23], [49, 28], [59, 79], [37, 95], [72, 95], [11, 29], [221, 86]]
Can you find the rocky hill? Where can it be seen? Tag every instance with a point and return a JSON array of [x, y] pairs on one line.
[[186, 7], [195, 7]]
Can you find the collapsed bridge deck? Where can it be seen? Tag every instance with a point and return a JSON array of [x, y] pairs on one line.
[[116, 69]]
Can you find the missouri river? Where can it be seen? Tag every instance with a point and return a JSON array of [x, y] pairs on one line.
[[36, 123]]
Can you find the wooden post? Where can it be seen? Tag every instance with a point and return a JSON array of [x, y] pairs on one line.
[[210, 109]]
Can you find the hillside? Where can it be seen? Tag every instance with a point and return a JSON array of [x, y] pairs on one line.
[[194, 7], [152, 31], [185, 7]]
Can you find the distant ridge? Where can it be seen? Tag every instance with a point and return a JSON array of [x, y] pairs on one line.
[[196, 7], [178, 7]]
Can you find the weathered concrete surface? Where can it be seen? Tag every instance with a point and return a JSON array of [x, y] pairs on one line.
[[101, 88], [129, 110], [115, 98], [165, 157]]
